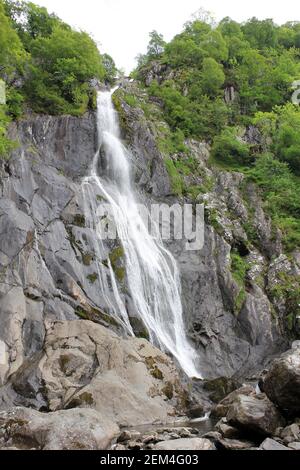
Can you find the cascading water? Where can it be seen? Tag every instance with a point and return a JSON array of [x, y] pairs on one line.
[[151, 272]]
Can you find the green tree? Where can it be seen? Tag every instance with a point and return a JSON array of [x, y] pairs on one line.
[[261, 34], [156, 44], [62, 65], [109, 68], [213, 77], [12, 53]]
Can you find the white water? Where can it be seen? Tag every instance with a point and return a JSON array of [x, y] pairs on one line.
[[151, 271]]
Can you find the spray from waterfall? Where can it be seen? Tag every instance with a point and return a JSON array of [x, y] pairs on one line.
[[152, 276]]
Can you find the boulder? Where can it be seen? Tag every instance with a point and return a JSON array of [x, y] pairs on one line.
[[227, 431], [234, 444], [194, 443], [82, 429], [282, 383], [221, 387], [222, 408], [290, 433], [294, 445], [88, 366], [254, 415], [271, 444]]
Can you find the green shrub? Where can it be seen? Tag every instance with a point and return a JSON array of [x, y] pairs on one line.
[[229, 150]]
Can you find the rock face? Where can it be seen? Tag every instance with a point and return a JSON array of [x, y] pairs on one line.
[[230, 324], [254, 414], [282, 383], [26, 429], [128, 382], [49, 262]]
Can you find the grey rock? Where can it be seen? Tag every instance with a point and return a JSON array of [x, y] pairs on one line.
[[86, 365], [294, 445], [227, 431], [185, 444], [254, 414], [222, 408], [234, 444], [290, 433], [282, 383], [82, 429], [270, 444]]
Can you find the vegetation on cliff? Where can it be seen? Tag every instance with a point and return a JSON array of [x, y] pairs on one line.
[[216, 81], [45, 64]]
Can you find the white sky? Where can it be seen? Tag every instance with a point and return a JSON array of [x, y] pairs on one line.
[[121, 27]]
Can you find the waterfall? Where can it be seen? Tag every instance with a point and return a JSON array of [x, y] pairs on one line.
[[152, 276]]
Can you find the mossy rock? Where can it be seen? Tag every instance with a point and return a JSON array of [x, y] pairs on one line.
[[220, 388], [87, 258], [168, 390], [92, 278], [157, 373], [139, 328], [115, 258], [79, 220], [96, 315], [84, 399]]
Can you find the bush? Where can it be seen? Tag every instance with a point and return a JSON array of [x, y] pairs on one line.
[[6, 145], [229, 150]]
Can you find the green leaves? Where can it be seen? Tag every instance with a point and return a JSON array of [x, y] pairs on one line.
[[53, 62]]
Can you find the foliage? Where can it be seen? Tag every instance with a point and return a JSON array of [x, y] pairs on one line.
[[6, 145], [156, 44], [255, 63], [60, 62], [281, 130], [227, 148], [12, 52], [281, 192], [110, 68]]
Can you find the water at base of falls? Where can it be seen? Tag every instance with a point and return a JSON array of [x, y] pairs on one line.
[[152, 276]]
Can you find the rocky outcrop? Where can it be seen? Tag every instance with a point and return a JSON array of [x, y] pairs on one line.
[[49, 278], [83, 365], [282, 382], [25, 429], [230, 322]]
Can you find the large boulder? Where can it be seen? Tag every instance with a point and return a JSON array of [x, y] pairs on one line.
[[282, 383], [255, 415], [128, 381], [222, 408], [84, 429]]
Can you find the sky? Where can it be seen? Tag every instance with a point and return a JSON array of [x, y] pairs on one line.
[[121, 27]]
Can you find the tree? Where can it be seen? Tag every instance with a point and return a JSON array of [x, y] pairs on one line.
[[62, 65], [31, 21], [12, 53], [109, 67], [213, 77], [156, 44], [261, 34], [214, 45]]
